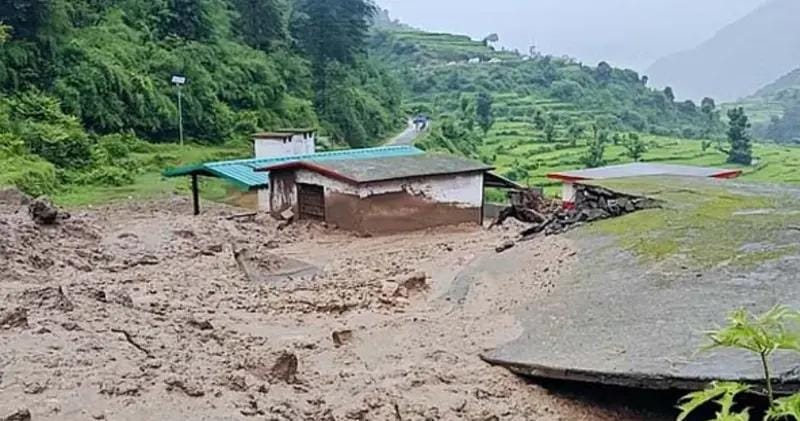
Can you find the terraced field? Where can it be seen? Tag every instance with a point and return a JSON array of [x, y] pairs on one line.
[[519, 149]]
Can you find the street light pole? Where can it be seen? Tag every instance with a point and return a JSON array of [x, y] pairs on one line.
[[180, 115], [179, 81]]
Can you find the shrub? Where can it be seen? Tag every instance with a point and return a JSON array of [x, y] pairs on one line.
[[33, 176]]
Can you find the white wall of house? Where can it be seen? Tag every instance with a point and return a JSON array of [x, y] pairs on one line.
[[464, 190], [272, 147], [291, 145], [276, 147], [263, 200]]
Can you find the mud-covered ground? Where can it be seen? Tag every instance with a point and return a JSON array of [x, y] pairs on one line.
[[142, 312]]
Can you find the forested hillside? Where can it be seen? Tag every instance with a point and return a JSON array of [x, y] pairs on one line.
[[560, 97], [86, 83], [529, 114], [776, 109]]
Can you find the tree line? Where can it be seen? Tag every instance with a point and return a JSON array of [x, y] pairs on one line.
[[74, 71]]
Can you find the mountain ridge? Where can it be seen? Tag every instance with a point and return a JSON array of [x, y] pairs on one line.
[[739, 59]]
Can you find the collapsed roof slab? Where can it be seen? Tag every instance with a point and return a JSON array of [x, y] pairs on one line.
[[634, 307]]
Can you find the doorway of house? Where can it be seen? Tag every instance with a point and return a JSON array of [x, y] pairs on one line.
[[311, 201]]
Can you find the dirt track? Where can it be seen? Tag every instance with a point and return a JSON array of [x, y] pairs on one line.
[[141, 312]]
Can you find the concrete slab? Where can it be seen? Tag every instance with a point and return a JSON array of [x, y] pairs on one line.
[[634, 309]]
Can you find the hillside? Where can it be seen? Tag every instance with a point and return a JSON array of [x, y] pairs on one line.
[[85, 85], [546, 114], [436, 66], [775, 109], [739, 59]]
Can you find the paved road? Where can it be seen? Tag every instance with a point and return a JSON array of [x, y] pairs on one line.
[[407, 137]]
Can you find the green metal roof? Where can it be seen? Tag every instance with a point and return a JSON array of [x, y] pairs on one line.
[[242, 172]]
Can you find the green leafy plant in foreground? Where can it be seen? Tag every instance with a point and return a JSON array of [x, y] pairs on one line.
[[762, 335]]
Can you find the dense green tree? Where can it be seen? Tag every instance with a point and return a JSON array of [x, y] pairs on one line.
[[741, 147], [332, 30], [25, 17], [596, 150], [483, 111], [261, 23], [635, 147], [575, 131], [669, 94], [604, 72], [708, 106], [189, 19], [550, 131], [787, 127], [539, 121]]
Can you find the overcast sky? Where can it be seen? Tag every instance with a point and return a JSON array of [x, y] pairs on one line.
[[630, 33]]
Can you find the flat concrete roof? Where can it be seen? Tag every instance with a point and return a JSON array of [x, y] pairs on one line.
[[386, 168], [638, 169]]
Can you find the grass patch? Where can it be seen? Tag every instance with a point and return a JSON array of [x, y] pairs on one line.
[[705, 223]]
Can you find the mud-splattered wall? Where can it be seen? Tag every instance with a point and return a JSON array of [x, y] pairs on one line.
[[395, 205]]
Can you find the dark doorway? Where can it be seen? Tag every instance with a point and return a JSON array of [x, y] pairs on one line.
[[311, 201]]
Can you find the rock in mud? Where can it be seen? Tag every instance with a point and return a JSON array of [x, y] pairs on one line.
[[14, 318], [202, 325], [20, 415], [49, 298], [341, 337], [504, 246], [187, 387], [43, 212], [416, 282], [285, 369]]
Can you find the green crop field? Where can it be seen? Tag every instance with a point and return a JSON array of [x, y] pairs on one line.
[[519, 150]]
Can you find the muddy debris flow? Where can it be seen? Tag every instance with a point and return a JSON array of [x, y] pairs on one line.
[[141, 311]]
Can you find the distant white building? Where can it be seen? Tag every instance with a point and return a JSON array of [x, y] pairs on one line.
[[284, 143], [474, 60], [495, 61]]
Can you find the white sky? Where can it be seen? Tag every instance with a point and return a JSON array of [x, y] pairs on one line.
[[628, 33]]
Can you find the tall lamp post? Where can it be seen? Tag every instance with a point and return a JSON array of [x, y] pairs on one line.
[[179, 81]]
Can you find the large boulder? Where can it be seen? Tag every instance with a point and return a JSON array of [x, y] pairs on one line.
[[43, 212]]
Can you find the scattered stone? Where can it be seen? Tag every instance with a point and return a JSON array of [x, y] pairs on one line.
[[389, 288], [505, 246], [14, 319], [99, 295], [20, 415], [285, 368], [70, 326], [120, 388], [287, 215], [122, 299], [188, 388], [49, 298], [236, 383], [43, 212], [416, 282], [341, 337], [252, 409], [185, 234], [146, 260], [202, 325], [213, 249], [592, 203], [34, 388]]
